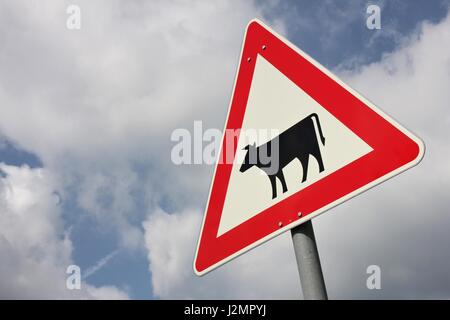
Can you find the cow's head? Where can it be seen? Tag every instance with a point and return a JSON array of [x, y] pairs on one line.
[[250, 157]]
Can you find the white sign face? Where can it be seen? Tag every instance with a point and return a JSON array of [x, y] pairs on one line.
[[330, 145], [275, 104]]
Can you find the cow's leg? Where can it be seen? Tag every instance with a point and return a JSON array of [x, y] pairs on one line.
[[315, 152], [273, 183], [305, 161], [283, 181], [318, 157]]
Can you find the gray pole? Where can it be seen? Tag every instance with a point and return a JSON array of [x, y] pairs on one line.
[[308, 262]]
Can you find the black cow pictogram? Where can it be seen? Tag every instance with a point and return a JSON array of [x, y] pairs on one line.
[[298, 142]]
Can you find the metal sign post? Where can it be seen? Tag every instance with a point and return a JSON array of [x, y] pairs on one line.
[[308, 262]]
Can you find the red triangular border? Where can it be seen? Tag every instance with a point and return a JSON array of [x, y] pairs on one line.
[[393, 149]]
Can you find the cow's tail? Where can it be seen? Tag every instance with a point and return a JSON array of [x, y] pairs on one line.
[[322, 138]]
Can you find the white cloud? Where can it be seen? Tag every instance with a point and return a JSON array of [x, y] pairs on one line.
[[267, 272], [134, 71], [34, 247], [106, 293], [103, 100]]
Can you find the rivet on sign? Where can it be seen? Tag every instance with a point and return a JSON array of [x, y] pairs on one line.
[[280, 224], [264, 47], [299, 214], [249, 59]]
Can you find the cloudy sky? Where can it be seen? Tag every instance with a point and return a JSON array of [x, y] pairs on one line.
[[85, 171]]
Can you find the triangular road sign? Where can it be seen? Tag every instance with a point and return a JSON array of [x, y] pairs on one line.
[[331, 144]]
